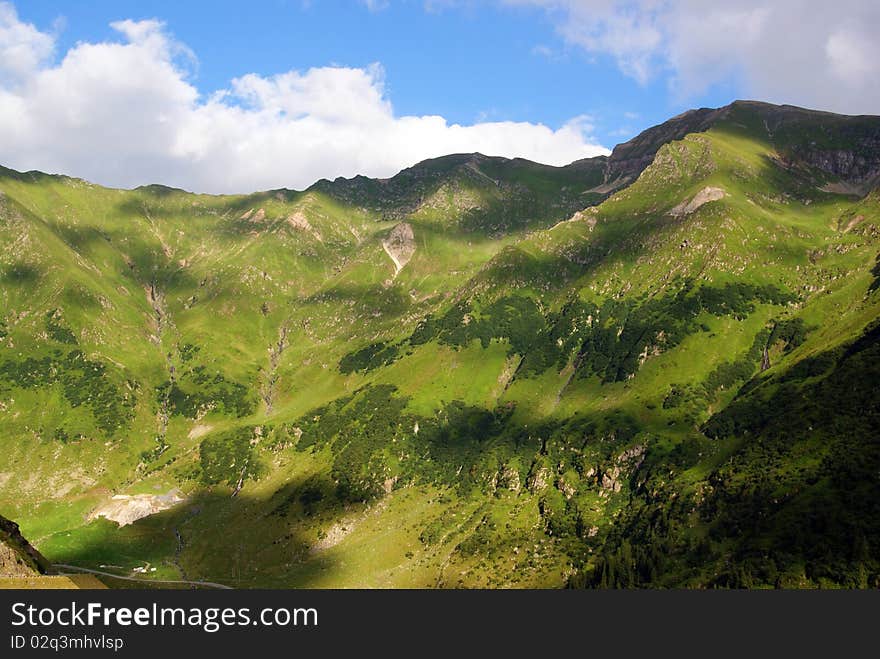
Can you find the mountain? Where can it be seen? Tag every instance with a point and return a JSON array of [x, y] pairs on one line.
[[652, 369]]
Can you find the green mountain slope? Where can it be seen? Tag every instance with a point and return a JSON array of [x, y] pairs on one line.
[[651, 369]]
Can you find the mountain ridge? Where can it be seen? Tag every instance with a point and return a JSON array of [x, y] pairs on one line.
[[621, 163]]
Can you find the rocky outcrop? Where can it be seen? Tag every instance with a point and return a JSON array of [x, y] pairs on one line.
[[845, 148], [125, 509], [802, 138], [609, 480], [629, 159], [298, 221], [17, 557], [847, 164], [704, 196], [612, 477], [400, 245], [538, 479], [588, 215], [508, 479]]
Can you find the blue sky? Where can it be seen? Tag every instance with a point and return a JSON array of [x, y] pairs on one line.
[[467, 64], [256, 88]]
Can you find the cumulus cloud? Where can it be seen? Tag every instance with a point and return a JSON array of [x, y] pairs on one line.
[[126, 113], [823, 55], [22, 46]]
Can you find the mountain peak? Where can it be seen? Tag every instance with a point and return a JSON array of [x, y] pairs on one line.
[[842, 146]]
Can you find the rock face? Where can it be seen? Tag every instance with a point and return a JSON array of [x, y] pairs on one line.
[[704, 196], [801, 137], [299, 221], [612, 477], [125, 509], [17, 557], [508, 479], [848, 165], [400, 245], [629, 159], [538, 480]]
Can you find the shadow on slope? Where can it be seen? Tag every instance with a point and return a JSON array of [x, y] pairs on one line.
[[212, 537]]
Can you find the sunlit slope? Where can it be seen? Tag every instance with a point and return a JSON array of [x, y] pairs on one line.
[[136, 324]]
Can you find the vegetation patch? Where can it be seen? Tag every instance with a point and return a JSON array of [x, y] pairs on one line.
[[229, 458], [198, 391], [84, 383]]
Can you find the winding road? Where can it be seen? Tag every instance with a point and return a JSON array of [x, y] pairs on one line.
[[206, 584]]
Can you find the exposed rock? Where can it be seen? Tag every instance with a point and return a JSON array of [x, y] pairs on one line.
[[17, 557], [765, 359], [610, 186], [854, 188], [199, 430], [400, 245], [853, 222], [624, 464], [339, 530], [609, 480], [537, 480], [567, 489], [627, 160], [125, 508], [633, 456], [704, 196], [858, 172], [508, 479], [298, 221]]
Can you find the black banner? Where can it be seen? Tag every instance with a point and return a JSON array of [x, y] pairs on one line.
[[630, 623]]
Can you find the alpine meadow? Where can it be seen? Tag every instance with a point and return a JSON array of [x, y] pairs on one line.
[[656, 369]]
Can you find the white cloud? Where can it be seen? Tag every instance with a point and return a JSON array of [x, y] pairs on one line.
[[823, 55], [22, 46], [126, 113]]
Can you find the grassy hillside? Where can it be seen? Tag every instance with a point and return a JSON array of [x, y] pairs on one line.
[[652, 369]]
